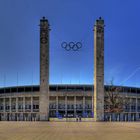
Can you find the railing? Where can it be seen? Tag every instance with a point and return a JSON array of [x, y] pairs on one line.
[[61, 106], [35, 110]]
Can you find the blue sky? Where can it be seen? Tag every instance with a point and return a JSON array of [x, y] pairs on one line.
[[70, 20]]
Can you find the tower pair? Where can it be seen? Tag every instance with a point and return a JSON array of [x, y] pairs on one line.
[[98, 70]]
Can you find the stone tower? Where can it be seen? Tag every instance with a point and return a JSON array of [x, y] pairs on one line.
[[44, 69], [99, 70]]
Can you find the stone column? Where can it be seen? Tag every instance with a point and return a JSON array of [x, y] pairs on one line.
[[4, 104], [31, 104], [24, 102], [74, 106], [121, 116], [10, 105], [129, 116], [15, 116], [44, 69], [129, 113], [84, 104], [17, 105], [92, 105], [99, 70], [66, 106], [57, 104], [136, 108], [130, 107], [4, 109], [136, 105]]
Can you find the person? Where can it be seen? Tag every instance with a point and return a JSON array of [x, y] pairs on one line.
[[76, 118], [80, 118]]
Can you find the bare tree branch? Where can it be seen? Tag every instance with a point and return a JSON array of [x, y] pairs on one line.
[[114, 101]]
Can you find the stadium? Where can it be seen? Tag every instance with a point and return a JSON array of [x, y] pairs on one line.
[[47, 102]]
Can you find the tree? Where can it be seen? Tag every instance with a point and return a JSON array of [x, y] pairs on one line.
[[114, 101]]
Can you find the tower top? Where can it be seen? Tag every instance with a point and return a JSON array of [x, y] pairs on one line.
[[44, 23], [43, 19], [99, 21]]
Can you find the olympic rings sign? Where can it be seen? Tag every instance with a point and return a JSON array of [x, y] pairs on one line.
[[71, 46]]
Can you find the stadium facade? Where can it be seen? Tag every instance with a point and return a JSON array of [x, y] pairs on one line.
[[66, 102]]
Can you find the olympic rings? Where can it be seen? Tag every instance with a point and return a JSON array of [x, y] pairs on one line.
[[71, 46]]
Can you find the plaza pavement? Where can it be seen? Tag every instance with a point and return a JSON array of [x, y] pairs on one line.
[[69, 131]]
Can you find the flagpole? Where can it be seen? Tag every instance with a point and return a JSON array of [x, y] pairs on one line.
[[61, 78], [17, 79], [32, 81], [4, 81]]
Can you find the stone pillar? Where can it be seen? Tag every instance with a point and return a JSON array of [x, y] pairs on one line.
[[92, 102], [66, 106], [10, 105], [130, 107], [10, 109], [4, 105], [121, 116], [74, 106], [17, 105], [129, 116], [4, 109], [44, 69], [137, 117], [57, 104], [136, 105], [24, 102], [31, 104], [84, 104], [99, 70]]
